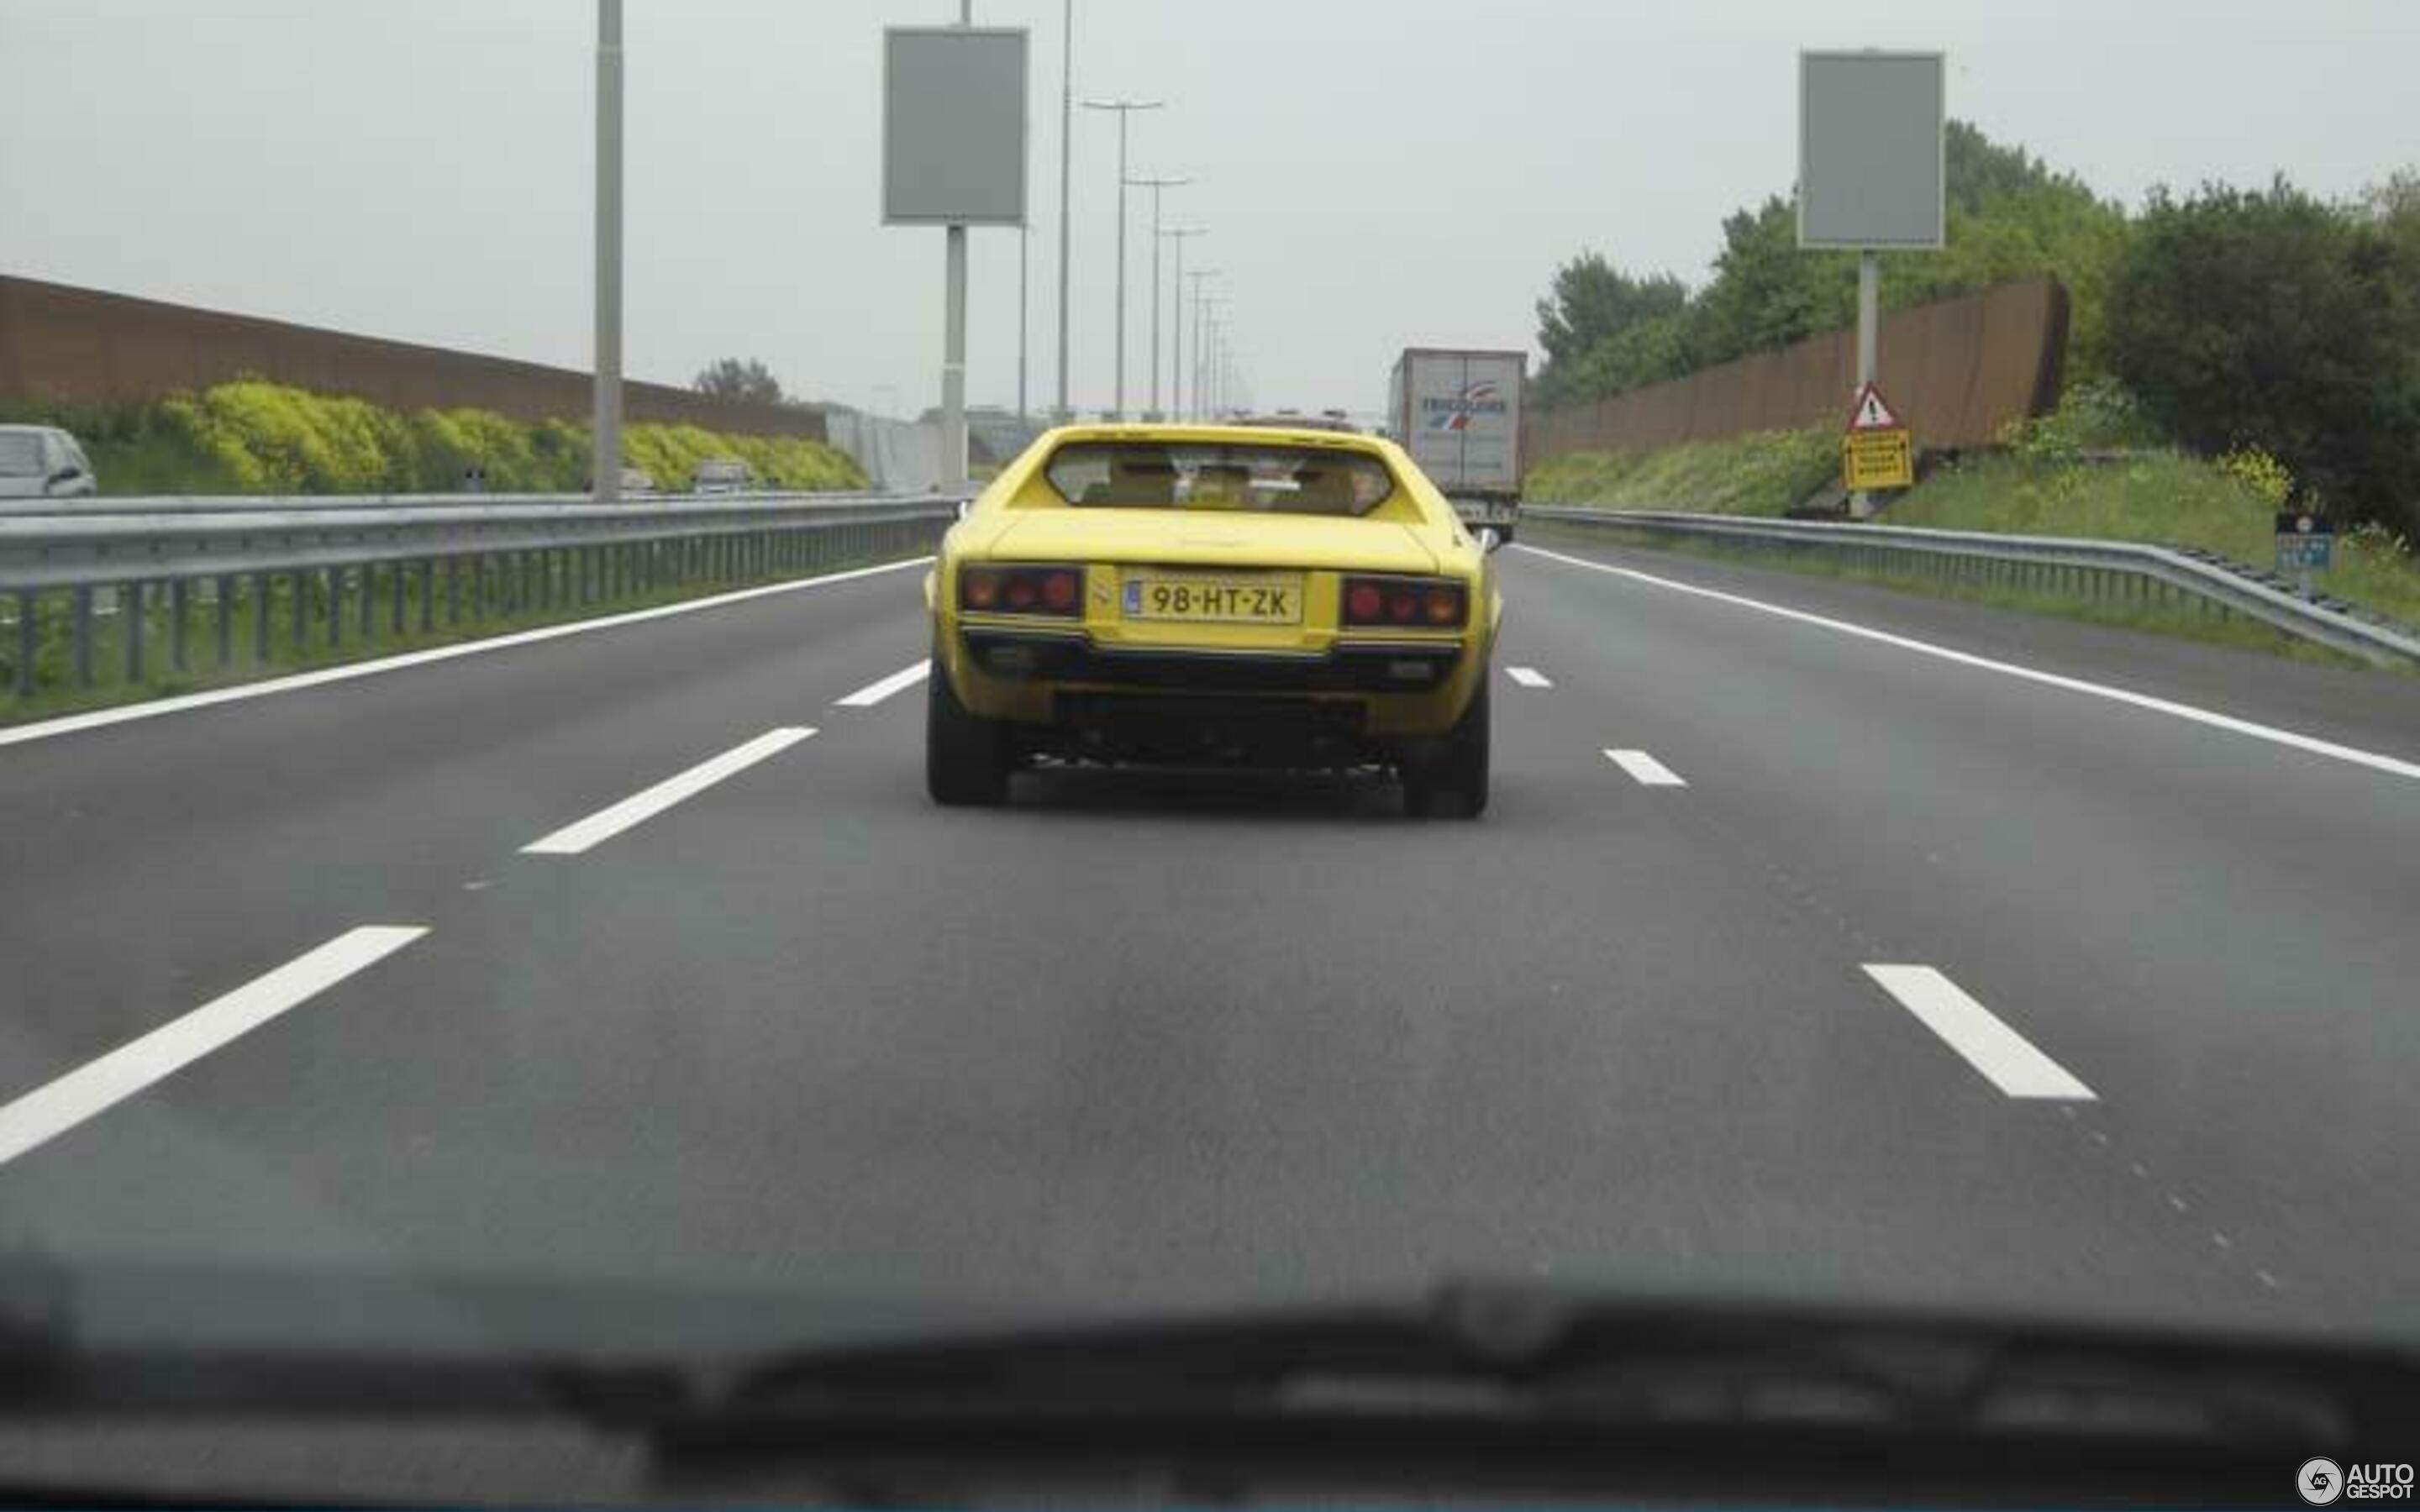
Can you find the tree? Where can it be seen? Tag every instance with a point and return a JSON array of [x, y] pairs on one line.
[[2051, 224], [2269, 318], [1593, 301], [1648, 352], [2010, 217], [1766, 292], [749, 382], [1978, 170]]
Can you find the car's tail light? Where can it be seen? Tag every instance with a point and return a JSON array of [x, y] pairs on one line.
[[1022, 590], [1424, 603]]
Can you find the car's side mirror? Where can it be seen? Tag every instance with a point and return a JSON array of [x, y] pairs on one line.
[[1488, 539]]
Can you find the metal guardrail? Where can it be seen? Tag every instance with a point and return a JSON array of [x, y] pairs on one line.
[[2081, 566], [314, 564]]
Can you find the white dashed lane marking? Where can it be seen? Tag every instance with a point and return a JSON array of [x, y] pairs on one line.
[[51, 1110], [1649, 772], [640, 806], [2005, 1058], [1527, 676], [900, 680]]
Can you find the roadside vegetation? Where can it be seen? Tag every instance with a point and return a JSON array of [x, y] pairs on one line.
[[1761, 474], [2232, 352], [2099, 466], [253, 437], [2223, 321]]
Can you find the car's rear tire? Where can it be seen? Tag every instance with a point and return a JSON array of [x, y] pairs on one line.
[[1449, 779], [966, 761]]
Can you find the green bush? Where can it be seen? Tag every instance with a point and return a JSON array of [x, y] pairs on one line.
[[2096, 415], [2270, 318]]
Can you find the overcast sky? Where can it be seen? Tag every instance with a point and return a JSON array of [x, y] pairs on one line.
[[1372, 174]]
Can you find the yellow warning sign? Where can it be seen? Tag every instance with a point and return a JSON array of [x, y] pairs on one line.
[[1872, 459]]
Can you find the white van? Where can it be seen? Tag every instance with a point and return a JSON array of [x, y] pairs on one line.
[[43, 462], [723, 474]]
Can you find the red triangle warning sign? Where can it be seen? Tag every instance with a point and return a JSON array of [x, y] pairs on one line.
[[1871, 411]]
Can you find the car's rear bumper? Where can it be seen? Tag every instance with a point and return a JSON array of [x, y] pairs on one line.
[[1071, 657]]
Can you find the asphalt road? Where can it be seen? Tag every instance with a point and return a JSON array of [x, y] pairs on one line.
[[2151, 1052]]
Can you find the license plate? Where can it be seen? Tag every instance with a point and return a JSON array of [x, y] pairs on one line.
[[1215, 600]]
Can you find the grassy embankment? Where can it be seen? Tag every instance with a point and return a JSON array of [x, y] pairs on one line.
[[2046, 482]]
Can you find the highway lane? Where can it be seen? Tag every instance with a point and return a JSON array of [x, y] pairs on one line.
[[153, 860], [1145, 1038]]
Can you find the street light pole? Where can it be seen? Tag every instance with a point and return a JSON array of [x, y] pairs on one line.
[[1024, 236], [1194, 377], [1179, 234], [1125, 108], [605, 428], [1206, 361], [1156, 185], [1066, 139], [1214, 364]]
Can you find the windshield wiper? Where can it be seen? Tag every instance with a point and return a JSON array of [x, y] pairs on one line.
[[1540, 1369], [1506, 1382]]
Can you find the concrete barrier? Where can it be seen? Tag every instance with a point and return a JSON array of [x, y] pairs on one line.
[[62, 342]]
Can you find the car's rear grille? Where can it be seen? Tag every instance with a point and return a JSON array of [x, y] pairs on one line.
[[1196, 730], [1062, 658]]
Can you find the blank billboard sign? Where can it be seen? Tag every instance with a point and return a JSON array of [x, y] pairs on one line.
[[954, 125], [1870, 150]]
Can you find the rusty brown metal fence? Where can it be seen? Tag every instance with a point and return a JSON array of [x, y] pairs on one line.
[[63, 343], [1957, 371]]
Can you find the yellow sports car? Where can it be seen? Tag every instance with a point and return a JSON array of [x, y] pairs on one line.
[[1202, 595]]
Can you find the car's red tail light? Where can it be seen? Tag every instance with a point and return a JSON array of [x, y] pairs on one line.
[[1022, 590], [1430, 603]]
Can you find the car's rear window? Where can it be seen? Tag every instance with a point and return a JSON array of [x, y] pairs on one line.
[[21, 454], [1269, 479]]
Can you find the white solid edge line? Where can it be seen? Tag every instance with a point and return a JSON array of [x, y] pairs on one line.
[[1649, 772], [71, 723], [1528, 676], [602, 825], [2391, 765], [874, 693], [2007, 1058], [55, 1107]]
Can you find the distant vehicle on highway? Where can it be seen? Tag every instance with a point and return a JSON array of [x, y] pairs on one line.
[[1459, 414], [1326, 420], [1176, 595], [637, 481], [723, 474], [43, 462]]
